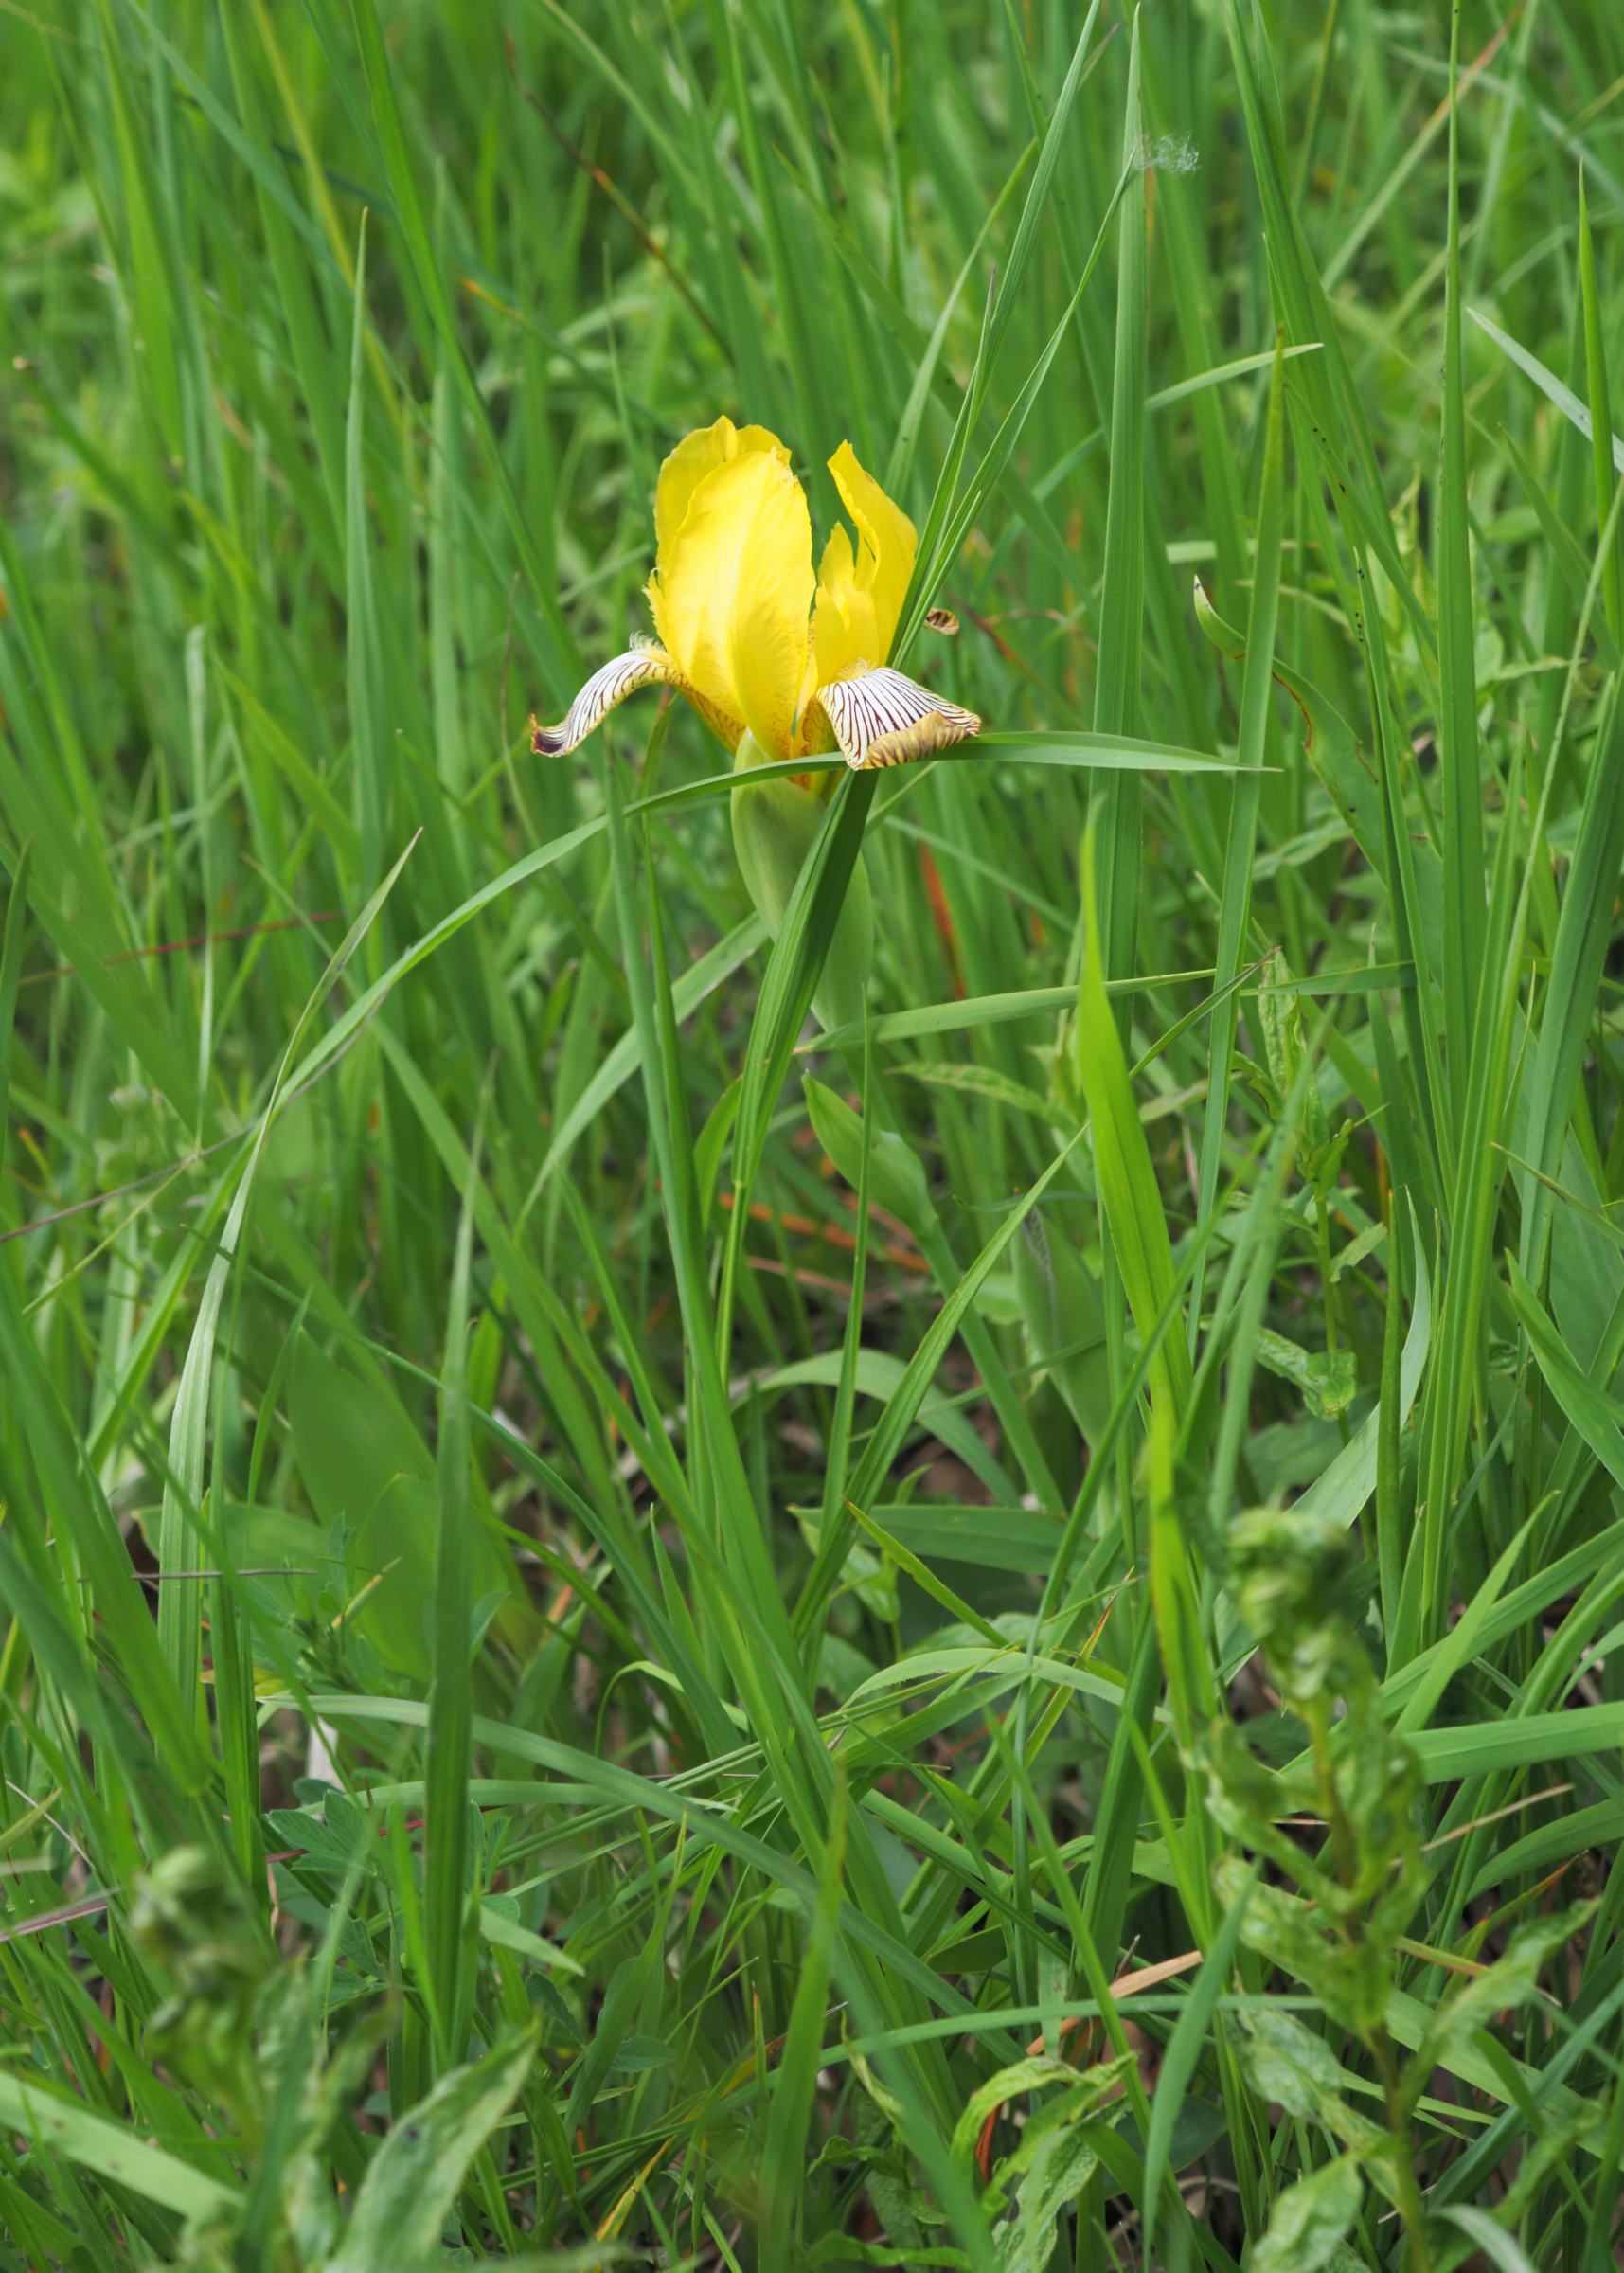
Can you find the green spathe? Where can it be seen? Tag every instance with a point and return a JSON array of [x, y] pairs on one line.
[[775, 826]]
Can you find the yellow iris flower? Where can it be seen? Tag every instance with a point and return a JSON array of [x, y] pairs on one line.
[[749, 636]]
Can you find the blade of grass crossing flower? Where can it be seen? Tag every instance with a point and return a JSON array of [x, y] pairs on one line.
[[1240, 847], [1463, 918]]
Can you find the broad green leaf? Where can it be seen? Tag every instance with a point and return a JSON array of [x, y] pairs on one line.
[[1311, 2218], [1102, 751], [896, 1178], [1287, 2061], [64, 2127], [418, 2171], [1488, 1746]]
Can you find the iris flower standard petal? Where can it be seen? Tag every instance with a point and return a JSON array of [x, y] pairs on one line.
[[859, 596], [731, 600], [749, 636], [694, 456]]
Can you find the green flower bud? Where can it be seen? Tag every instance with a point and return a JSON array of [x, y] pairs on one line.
[[774, 824]]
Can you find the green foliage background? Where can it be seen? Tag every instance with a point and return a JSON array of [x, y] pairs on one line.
[[607, 1649]]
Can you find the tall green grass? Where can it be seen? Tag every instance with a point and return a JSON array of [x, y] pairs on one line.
[[632, 1627]]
